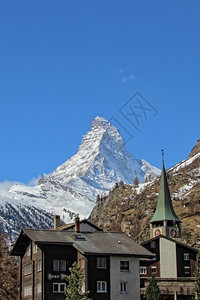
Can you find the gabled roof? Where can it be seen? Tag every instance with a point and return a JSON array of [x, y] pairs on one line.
[[39, 237], [172, 240], [91, 243], [110, 243], [164, 208], [71, 226]]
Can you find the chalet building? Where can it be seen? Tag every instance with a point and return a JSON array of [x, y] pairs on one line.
[[109, 262], [174, 262]]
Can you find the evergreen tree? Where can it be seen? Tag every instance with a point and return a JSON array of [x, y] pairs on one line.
[[152, 290], [136, 181], [75, 283], [9, 272], [197, 273]]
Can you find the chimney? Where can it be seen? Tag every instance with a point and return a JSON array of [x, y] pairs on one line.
[[56, 221], [77, 224]]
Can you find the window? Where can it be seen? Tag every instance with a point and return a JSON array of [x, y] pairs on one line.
[[143, 270], [123, 287], [28, 269], [124, 265], [59, 265], [101, 286], [56, 265], [39, 288], [187, 270], [28, 251], [39, 265], [153, 245], [59, 287], [153, 270], [28, 290], [35, 248], [83, 288], [186, 256], [62, 265], [101, 262]]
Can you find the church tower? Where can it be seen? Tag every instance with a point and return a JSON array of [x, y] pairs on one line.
[[165, 220]]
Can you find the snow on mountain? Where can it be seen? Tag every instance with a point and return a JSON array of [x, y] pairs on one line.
[[72, 188]]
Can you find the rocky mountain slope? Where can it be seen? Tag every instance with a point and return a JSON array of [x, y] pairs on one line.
[[100, 163], [129, 208]]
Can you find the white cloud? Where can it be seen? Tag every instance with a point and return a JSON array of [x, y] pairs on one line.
[[130, 77], [34, 181], [5, 185]]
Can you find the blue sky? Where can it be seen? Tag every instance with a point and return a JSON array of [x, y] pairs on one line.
[[62, 63]]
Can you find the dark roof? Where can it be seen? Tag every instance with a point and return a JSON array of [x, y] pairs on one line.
[[164, 208], [39, 237], [48, 236], [106, 243], [113, 243], [172, 240]]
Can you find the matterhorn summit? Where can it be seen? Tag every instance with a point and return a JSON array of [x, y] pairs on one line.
[[100, 163]]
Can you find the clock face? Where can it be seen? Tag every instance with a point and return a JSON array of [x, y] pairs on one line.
[[173, 232], [157, 232]]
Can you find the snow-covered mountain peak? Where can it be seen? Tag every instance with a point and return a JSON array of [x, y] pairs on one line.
[[100, 163], [100, 123]]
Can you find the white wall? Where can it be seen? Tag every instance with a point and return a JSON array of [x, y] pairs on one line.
[[168, 264], [131, 277]]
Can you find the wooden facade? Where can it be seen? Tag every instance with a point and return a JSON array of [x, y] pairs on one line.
[[98, 274], [44, 269]]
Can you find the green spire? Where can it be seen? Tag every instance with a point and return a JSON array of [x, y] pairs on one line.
[[164, 208]]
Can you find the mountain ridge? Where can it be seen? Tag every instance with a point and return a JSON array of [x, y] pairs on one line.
[[72, 188], [129, 208]]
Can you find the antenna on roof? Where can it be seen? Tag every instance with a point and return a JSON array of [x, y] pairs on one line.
[[162, 150]]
